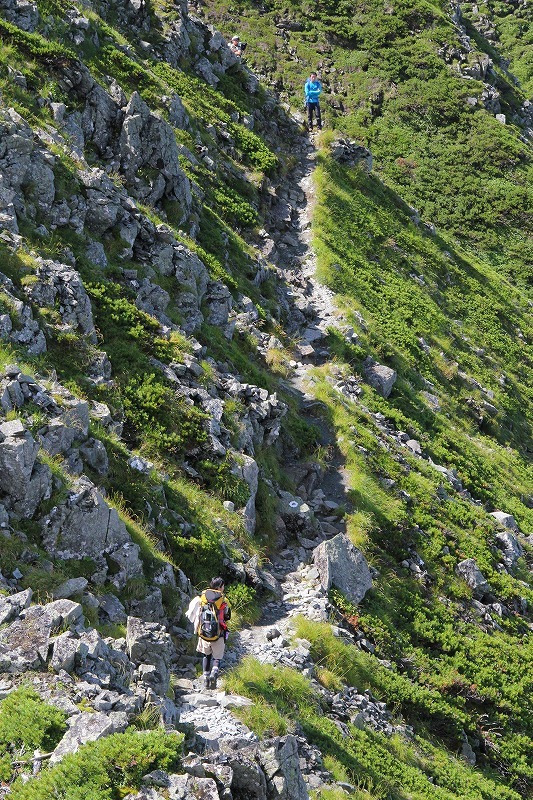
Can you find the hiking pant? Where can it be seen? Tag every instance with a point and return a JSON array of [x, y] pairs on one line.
[[314, 108]]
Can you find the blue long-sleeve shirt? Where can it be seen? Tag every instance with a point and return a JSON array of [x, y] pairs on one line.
[[312, 90]]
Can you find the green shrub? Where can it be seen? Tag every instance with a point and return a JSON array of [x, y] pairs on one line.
[[35, 45], [223, 482], [234, 208], [245, 607], [106, 769], [27, 723], [253, 148], [166, 423]]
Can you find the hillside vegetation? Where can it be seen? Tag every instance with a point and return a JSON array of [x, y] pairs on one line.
[[150, 431]]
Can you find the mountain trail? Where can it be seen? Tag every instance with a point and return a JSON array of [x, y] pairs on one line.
[[300, 591]]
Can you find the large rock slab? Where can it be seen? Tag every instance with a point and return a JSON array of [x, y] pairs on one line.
[[85, 525], [88, 727], [380, 377], [24, 644], [342, 565]]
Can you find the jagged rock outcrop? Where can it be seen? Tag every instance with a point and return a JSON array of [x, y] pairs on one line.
[[58, 285], [147, 143], [151, 649], [350, 153], [24, 482]]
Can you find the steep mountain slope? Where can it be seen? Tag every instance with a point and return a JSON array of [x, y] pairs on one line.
[[181, 396]]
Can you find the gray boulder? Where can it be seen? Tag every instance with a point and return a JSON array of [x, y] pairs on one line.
[[24, 644], [70, 587], [191, 787], [348, 152], [248, 779], [507, 520], [95, 455], [66, 647], [177, 114], [23, 482], [60, 433], [63, 612], [380, 377], [469, 571], [261, 578], [342, 565], [111, 609], [60, 286], [150, 608], [88, 727]]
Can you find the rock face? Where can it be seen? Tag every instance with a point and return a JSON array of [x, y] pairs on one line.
[[281, 764], [84, 525], [151, 649], [58, 284], [342, 565], [469, 571], [511, 547], [380, 377], [23, 481]]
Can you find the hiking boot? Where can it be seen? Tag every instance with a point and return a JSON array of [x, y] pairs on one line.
[[206, 680]]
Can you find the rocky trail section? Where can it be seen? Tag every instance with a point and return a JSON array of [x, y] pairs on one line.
[[322, 555], [318, 554]]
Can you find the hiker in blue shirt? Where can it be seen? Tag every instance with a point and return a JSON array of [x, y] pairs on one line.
[[312, 90]]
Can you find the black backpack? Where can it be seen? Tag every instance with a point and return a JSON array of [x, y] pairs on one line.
[[209, 626]]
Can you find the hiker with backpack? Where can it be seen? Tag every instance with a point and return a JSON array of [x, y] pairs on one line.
[[312, 90], [211, 612]]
